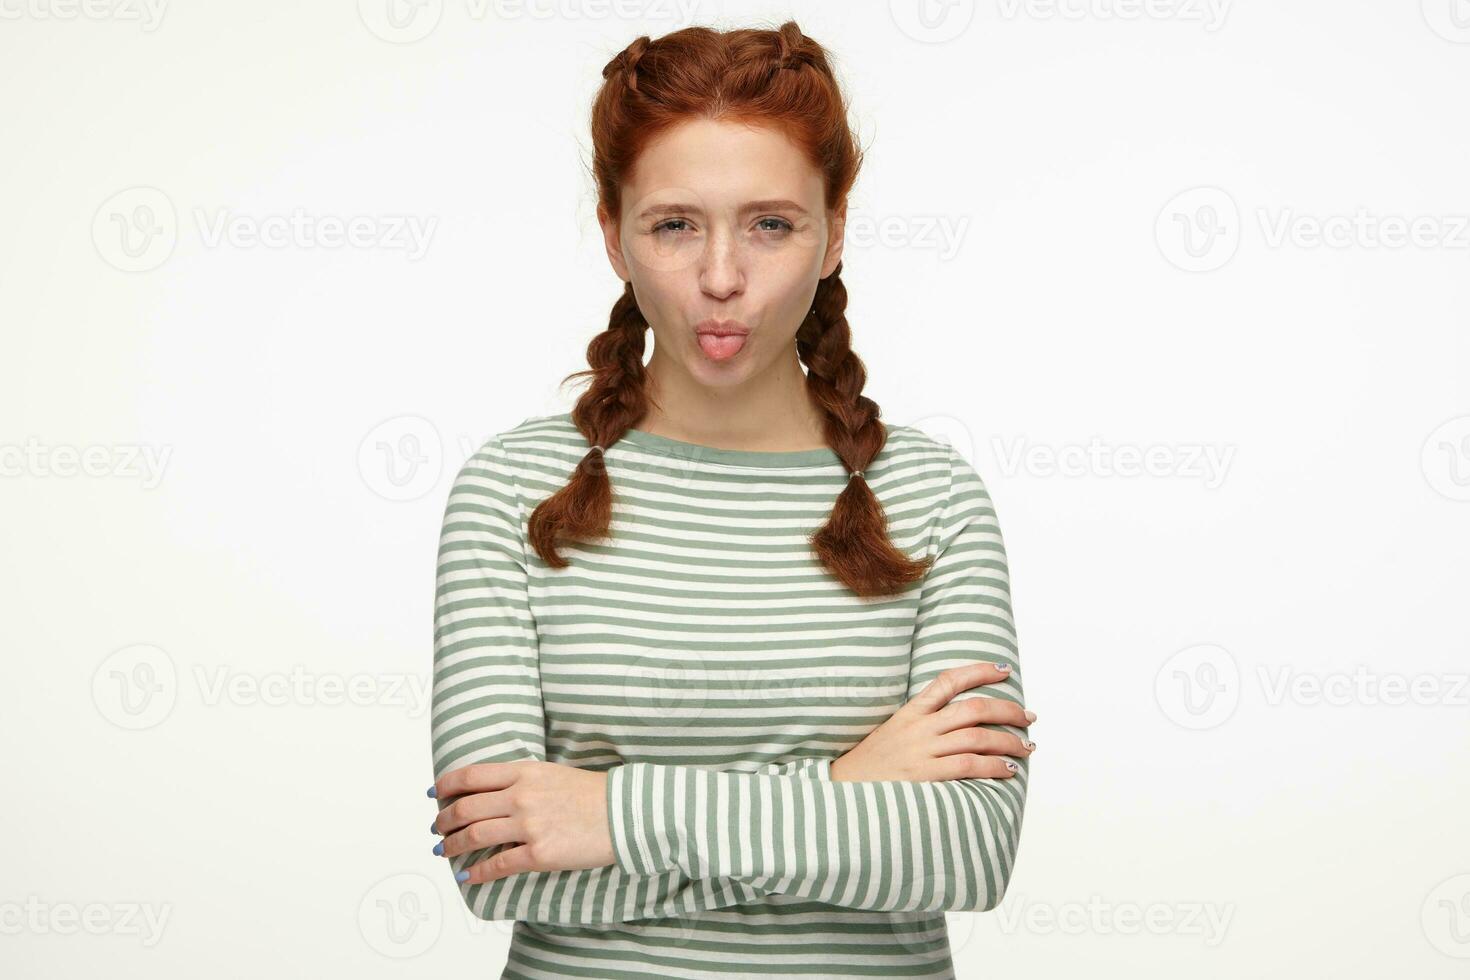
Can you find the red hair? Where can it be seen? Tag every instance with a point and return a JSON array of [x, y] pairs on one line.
[[775, 78]]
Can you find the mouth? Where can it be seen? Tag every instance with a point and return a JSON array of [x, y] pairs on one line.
[[721, 340]]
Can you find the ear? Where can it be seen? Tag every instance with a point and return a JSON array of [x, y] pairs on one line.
[[838, 224], [613, 242]]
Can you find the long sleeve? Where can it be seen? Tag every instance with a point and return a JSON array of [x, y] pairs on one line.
[[882, 845], [486, 693]]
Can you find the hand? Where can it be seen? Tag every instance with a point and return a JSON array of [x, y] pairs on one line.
[[558, 814], [931, 739]]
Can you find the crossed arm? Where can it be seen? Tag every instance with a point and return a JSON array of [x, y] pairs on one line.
[[688, 838]]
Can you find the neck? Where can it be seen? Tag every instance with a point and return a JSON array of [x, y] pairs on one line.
[[771, 412]]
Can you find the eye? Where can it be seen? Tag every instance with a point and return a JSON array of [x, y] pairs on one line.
[[782, 225], [663, 226]]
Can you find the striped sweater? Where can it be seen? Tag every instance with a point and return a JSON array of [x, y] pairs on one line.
[[706, 660]]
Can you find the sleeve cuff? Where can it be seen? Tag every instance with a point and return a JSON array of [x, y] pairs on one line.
[[644, 801], [636, 799]]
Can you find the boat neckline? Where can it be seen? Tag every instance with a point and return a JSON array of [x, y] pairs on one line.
[[737, 457]]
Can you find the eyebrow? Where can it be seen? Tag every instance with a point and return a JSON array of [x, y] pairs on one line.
[[778, 204]]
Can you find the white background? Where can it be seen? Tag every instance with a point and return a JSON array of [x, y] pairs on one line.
[[1066, 254]]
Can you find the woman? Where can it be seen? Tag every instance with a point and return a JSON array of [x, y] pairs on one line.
[[694, 709]]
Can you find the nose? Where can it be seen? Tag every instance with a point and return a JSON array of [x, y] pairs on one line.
[[722, 265]]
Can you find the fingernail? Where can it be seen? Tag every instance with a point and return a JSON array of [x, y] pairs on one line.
[[1030, 715], [433, 793], [439, 848], [1030, 746], [461, 876], [1012, 767], [434, 827], [1000, 666]]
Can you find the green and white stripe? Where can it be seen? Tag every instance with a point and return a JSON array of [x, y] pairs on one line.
[[704, 658]]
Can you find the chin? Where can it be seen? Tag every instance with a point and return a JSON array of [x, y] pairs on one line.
[[721, 373]]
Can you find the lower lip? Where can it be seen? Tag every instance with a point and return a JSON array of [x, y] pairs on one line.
[[718, 348]]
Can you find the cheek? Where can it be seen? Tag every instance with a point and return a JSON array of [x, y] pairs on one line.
[[789, 307], [670, 257], [660, 297]]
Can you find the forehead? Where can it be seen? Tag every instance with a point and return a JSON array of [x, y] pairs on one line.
[[724, 163]]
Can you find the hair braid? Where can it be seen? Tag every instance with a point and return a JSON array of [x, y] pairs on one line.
[[615, 400], [626, 62], [795, 48], [854, 542]]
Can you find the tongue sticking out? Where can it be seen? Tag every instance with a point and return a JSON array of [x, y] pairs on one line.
[[718, 348]]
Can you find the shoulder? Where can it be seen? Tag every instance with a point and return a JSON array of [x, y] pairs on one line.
[[922, 457], [535, 455], [953, 495]]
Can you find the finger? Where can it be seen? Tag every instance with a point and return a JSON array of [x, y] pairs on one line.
[[477, 778], [512, 860], [975, 767], [937, 693], [481, 834], [468, 809], [982, 741], [978, 709]]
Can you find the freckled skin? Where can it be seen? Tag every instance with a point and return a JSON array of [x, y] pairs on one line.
[[716, 259]]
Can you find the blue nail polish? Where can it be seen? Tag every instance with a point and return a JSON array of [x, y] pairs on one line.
[[461, 876], [439, 848], [434, 827], [433, 793]]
